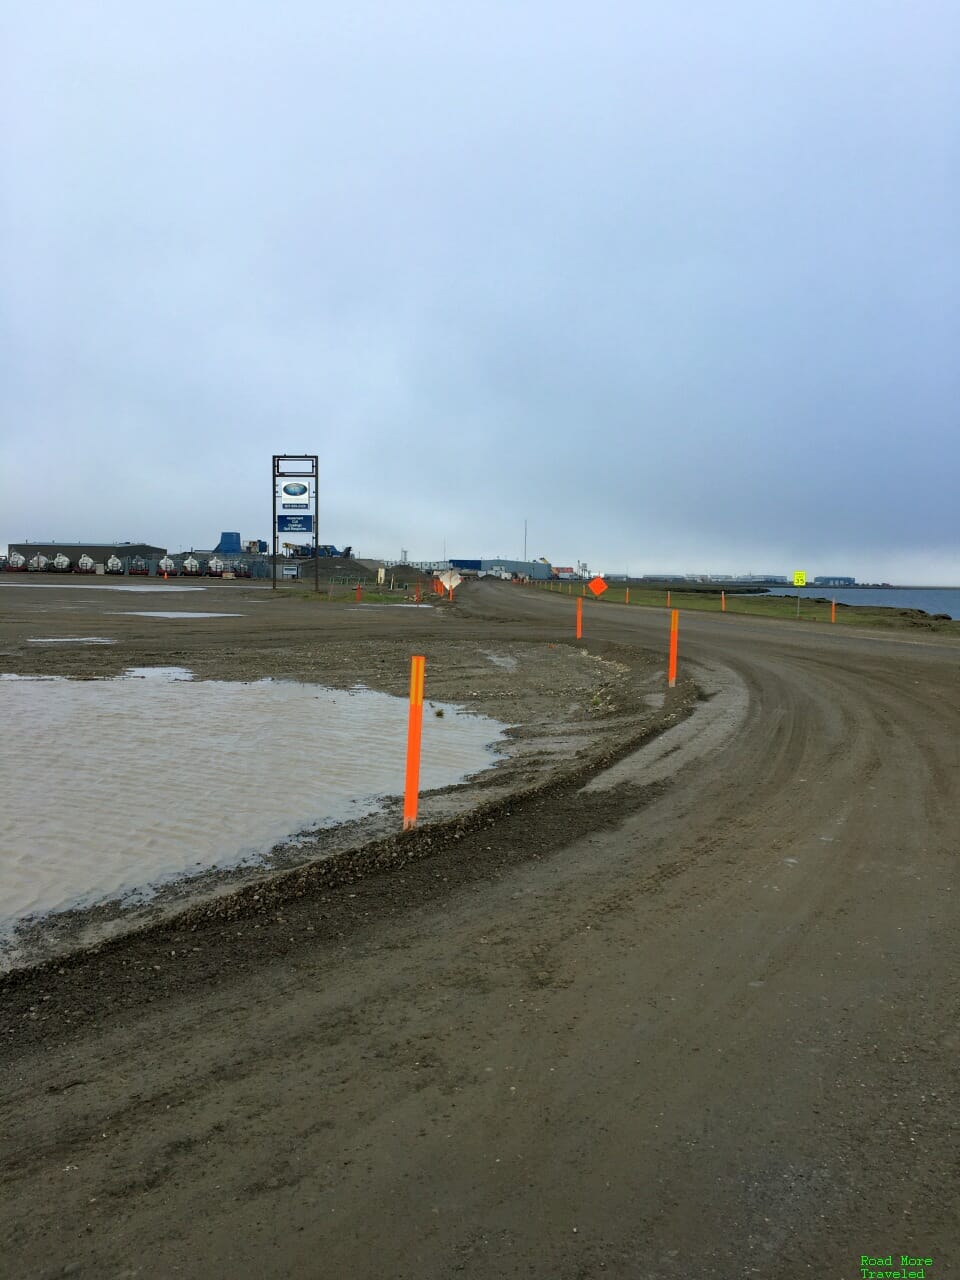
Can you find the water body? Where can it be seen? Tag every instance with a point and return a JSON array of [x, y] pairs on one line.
[[110, 788], [930, 599]]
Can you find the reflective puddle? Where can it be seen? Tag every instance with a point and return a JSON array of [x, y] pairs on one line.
[[70, 640], [503, 660], [169, 613], [113, 787]]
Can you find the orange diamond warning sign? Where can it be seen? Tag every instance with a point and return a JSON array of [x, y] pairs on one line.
[[597, 586]]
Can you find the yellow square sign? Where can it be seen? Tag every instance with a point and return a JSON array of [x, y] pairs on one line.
[[799, 578]]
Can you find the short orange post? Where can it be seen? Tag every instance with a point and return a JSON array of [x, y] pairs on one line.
[[668, 599], [411, 791], [723, 602], [579, 617], [674, 638], [358, 593], [451, 593], [833, 610], [627, 597]]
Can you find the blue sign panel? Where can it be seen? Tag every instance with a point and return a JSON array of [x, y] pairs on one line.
[[294, 524]]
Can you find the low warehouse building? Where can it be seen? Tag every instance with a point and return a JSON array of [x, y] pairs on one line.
[[99, 552]]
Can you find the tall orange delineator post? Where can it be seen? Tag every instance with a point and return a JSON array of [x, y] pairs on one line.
[[411, 791], [358, 593], [674, 638], [833, 610], [579, 617], [451, 593], [627, 597], [668, 599], [723, 602]]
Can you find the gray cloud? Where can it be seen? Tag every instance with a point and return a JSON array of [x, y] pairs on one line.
[[678, 283]]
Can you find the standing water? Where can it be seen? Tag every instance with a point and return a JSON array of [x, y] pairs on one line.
[[110, 788], [931, 599]]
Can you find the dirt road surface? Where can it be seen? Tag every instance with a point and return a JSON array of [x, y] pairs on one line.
[[695, 1016]]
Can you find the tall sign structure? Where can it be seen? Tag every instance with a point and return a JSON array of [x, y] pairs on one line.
[[295, 492]]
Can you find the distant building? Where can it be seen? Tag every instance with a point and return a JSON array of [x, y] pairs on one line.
[[498, 567], [834, 582], [98, 552]]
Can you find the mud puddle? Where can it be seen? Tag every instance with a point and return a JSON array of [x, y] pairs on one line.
[[112, 788]]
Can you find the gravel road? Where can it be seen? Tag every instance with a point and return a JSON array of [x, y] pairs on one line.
[[692, 1013]]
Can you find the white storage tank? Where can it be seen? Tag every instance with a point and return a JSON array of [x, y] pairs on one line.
[[191, 566], [85, 565], [16, 563], [114, 564], [215, 567], [61, 563], [37, 563], [166, 566]]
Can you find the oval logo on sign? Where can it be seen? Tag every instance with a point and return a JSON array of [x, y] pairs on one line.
[[295, 490]]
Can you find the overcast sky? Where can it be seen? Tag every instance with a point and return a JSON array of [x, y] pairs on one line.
[[678, 282]]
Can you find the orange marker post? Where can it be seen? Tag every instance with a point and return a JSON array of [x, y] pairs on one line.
[[723, 602], [668, 599], [416, 593], [674, 638], [579, 617], [833, 610], [627, 597], [451, 594], [411, 791], [358, 593]]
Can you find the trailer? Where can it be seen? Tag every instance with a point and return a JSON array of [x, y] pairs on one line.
[[85, 565], [215, 567], [190, 567], [16, 563], [166, 568], [139, 567], [60, 563], [114, 565], [37, 563]]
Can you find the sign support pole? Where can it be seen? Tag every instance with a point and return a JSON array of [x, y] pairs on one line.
[[316, 532], [275, 461]]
